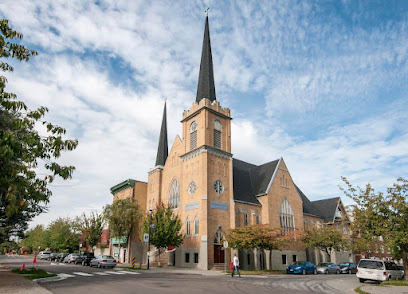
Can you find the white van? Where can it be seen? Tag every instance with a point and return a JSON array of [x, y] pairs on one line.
[[378, 270]]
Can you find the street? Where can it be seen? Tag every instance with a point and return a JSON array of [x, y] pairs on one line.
[[83, 279]]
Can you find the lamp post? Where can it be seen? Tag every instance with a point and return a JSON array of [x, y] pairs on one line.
[[148, 242]]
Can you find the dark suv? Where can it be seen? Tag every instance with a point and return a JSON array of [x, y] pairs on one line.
[[85, 258]]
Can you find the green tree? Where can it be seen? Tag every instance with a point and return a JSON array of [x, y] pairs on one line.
[[36, 239], [24, 192], [90, 227], [379, 216], [168, 227], [261, 237], [123, 217], [326, 239], [63, 235]]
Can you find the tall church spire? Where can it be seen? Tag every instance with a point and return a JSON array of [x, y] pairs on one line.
[[206, 87], [162, 150]]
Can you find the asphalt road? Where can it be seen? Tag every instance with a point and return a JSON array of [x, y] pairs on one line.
[[83, 279]]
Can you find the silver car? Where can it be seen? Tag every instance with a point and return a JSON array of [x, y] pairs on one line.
[[44, 255], [71, 258], [328, 268], [103, 261]]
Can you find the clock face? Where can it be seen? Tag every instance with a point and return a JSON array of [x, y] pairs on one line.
[[218, 187]]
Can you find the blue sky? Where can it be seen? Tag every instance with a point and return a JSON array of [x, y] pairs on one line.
[[320, 83]]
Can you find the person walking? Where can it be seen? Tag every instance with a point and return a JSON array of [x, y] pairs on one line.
[[235, 261]]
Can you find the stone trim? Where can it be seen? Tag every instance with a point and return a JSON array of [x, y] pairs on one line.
[[155, 169], [206, 149]]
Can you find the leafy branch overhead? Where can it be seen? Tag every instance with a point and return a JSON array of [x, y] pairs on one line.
[[23, 151]]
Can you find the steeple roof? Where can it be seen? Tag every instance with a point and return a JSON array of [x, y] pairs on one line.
[[206, 86], [163, 150]]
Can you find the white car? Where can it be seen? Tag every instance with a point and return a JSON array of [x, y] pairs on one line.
[[44, 255], [378, 270]]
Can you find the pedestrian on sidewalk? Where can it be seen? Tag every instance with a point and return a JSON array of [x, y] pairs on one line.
[[235, 261]]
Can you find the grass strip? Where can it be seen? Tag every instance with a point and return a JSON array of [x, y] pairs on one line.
[[395, 283], [33, 273], [358, 290]]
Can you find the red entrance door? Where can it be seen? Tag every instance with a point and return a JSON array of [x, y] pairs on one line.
[[218, 254]]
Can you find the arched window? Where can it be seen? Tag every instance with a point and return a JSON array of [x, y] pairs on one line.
[[174, 196], [257, 219], [193, 135], [287, 221], [196, 226], [188, 232], [217, 134], [245, 218]]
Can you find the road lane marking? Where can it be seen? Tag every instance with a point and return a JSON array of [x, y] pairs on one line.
[[129, 272], [83, 274], [102, 274], [62, 275]]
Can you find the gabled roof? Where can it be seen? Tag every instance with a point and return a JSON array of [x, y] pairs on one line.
[[327, 208], [308, 207], [206, 86], [250, 180], [163, 149]]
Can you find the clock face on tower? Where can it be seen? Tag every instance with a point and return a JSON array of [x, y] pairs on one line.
[[218, 187]]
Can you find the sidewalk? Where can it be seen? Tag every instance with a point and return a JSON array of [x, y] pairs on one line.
[[373, 289], [12, 283]]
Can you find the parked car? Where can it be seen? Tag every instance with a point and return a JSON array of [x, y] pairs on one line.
[[43, 254], [378, 270], [103, 261], [301, 267], [401, 267], [348, 268], [328, 268], [53, 256], [86, 256], [61, 257], [71, 258]]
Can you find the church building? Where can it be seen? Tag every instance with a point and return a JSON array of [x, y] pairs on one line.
[[213, 192]]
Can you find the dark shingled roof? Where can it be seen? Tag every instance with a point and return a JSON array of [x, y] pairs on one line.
[[163, 150], [206, 86], [308, 207], [251, 180], [327, 208]]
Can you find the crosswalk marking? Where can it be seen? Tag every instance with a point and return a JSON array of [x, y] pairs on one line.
[[65, 275], [83, 274], [129, 272], [116, 273], [102, 274]]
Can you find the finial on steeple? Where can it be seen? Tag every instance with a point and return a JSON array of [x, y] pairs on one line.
[[206, 11], [206, 86], [163, 150]]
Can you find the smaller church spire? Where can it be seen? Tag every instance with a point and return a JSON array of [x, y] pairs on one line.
[[163, 150], [206, 86]]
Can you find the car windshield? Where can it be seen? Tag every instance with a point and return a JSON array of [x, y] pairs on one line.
[[323, 264], [344, 264], [371, 264], [107, 256], [298, 263]]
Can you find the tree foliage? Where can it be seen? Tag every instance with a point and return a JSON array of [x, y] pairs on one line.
[[168, 228], [90, 227], [326, 239], [261, 237], [23, 191], [381, 217], [123, 215]]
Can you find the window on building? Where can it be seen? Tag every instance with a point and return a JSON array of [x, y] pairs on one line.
[[249, 259], [283, 258], [193, 135], [257, 219], [287, 221], [294, 258], [245, 218], [187, 257], [174, 197], [188, 232], [196, 226], [195, 257], [217, 134]]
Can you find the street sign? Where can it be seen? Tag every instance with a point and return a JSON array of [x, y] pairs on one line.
[[80, 245], [225, 244], [152, 226], [146, 238]]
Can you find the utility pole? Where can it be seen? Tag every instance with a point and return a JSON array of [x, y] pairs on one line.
[[148, 242]]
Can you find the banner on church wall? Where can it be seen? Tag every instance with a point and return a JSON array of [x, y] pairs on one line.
[[193, 205], [219, 205]]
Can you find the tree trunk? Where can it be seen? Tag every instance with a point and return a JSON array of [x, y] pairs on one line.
[[270, 259], [405, 261]]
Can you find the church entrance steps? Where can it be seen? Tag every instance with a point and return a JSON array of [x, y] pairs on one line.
[[218, 267]]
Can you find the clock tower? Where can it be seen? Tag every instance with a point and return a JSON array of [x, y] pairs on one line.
[[207, 161]]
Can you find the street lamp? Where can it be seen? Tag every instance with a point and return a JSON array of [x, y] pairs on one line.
[[148, 242]]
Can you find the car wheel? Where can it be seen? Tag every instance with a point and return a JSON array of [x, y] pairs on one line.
[[326, 272], [83, 263], [349, 272], [304, 272], [315, 272], [99, 266], [362, 280], [337, 272]]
